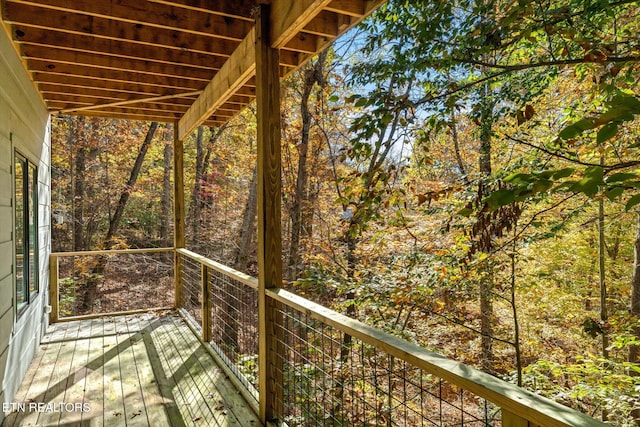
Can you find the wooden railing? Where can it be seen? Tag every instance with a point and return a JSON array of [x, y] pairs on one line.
[[88, 284], [326, 368], [329, 369]]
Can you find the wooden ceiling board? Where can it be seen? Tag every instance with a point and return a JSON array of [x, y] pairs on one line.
[[185, 61]]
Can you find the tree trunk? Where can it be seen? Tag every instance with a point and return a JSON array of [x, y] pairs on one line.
[[456, 147], [634, 350], [247, 229], [166, 196], [194, 206], [602, 276], [314, 74], [98, 268], [114, 223], [76, 139], [486, 281]]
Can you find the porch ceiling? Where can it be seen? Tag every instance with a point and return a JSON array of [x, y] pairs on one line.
[[190, 61]]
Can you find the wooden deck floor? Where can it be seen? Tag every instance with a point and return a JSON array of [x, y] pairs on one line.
[[142, 370]]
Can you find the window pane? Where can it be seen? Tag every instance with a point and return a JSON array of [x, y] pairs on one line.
[[21, 294], [33, 229]]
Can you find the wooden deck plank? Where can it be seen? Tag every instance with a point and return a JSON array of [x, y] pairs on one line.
[[151, 394], [94, 383], [39, 384], [30, 378], [121, 366], [57, 385], [205, 402], [134, 406], [113, 405], [165, 385], [55, 332], [171, 364], [214, 384], [74, 390]]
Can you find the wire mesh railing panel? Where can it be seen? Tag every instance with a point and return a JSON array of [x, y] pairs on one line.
[[329, 378], [234, 326], [325, 369], [107, 282], [191, 280]]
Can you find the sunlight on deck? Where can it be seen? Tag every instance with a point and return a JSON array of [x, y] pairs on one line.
[[139, 370]]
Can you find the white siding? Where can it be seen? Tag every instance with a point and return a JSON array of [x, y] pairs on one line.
[[24, 126]]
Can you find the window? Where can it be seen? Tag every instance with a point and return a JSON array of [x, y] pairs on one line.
[[26, 226]]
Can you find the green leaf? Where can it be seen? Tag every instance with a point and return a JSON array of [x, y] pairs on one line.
[[541, 186], [567, 185], [607, 132], [563, 173], [614, 193], [594, 173], [334, 98], [576, 129], [569, 132], [621, 176], [361, 102], [587, 186], [465, 212], [634, 200], [516, 178], [501, 198], [631, 103]]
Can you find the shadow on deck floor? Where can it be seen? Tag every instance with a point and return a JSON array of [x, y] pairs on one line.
[[138, 370]]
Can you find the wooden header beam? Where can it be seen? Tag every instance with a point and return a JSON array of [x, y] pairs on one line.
[[288, 18], [238, 69]]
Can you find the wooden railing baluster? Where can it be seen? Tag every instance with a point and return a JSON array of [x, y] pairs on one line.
[[206, 305], [54, 290]]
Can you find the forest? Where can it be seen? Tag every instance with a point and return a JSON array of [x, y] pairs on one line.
[[464, 174]]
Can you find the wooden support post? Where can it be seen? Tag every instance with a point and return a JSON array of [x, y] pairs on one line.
[[53, 289], [178, 211], [206, 305], [511, 420], [269, 232]]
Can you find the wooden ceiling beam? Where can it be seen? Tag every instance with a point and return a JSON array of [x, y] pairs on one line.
[[288, 19], [75, 71], [355, 8], [31, 16], [97, 102], [146, 109], [239, 68], [76, 87], [88, 99], [131, 88], [142, 117], [232, 108], [158, 15], [240, 100], [70, 57], [55, 106], [303, 43], [116, 48], [325, 24], [162, 118], [164, 108], [87, 43], [240, 9]]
